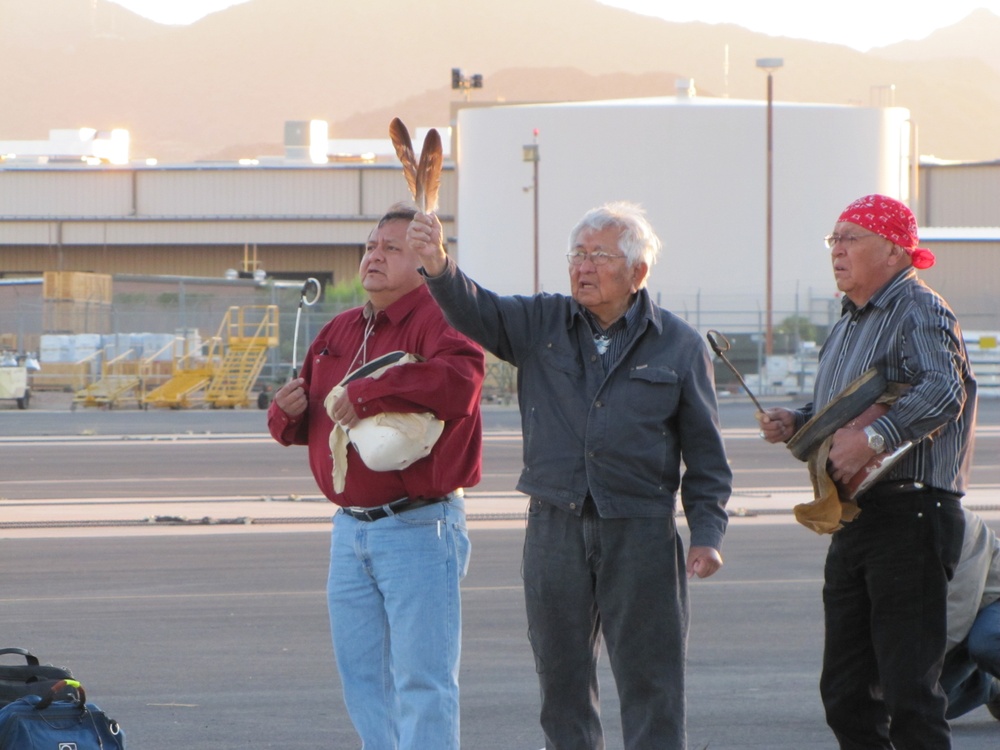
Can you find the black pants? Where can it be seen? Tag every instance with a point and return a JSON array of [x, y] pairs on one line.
[[884, 598]]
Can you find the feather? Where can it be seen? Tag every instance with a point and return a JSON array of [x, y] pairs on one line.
[[404, 150], [429, 172]]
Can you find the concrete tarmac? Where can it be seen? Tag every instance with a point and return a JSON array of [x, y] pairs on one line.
[[215, 635], [208, 641]]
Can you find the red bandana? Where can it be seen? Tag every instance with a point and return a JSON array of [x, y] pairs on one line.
[[889, 218]]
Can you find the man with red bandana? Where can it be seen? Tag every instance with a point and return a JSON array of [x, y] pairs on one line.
[[887, 571]]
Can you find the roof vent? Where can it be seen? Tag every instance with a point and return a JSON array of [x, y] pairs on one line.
[[685, 88]]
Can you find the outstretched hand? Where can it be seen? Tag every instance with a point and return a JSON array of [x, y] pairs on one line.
[[423, 237]]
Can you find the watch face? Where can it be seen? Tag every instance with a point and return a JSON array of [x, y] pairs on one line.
[[876, 442]]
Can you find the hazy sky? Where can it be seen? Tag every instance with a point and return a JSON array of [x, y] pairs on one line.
[[861, 24]]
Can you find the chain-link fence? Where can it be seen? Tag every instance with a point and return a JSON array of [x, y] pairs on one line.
[[145, 315]]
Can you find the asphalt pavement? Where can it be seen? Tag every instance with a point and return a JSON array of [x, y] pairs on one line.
[[216, 636], [222, 641]]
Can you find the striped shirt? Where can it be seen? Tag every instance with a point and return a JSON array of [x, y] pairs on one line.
[[910, 335], [612, 341]]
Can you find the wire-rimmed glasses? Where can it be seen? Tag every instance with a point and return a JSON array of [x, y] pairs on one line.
[[598, 257], [845, 239]]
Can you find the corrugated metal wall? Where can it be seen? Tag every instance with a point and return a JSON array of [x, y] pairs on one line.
[[65, 193], [302, 221], [204, 206], [186, 260], [960, 195], [967, 274], [256, 193]]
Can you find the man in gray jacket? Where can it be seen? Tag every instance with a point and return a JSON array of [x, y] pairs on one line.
[[616, 394]]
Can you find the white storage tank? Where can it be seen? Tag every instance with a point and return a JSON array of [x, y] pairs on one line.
[[698, 166]]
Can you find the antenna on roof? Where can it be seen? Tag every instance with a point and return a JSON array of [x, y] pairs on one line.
[[725, 72]]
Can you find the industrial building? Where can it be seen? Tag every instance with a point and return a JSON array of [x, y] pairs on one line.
[[521, 177]]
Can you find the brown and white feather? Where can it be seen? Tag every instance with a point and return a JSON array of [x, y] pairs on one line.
[[429, 172], [400, 137]]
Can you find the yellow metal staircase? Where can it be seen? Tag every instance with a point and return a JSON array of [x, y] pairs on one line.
[[245, 354], [181, 390], [119, 377], [225, 376]]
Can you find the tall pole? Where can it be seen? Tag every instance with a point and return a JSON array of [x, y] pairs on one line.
[[769, 337], [530, 153], [535, 196], [770, 64]]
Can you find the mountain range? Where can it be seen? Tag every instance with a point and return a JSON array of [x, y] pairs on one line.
[[223, 87]]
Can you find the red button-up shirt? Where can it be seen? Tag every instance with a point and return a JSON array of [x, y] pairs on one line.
[[448, 384]]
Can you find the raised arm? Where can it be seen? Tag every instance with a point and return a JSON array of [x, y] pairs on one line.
[[425, 237]]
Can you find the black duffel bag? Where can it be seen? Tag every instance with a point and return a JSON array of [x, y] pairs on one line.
[[32, 678]]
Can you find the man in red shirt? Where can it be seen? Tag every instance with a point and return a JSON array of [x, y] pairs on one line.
[[399, 546]]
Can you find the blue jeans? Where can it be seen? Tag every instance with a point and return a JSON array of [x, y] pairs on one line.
[[395, 615], [971, 675], [886, 585], [625, 578]]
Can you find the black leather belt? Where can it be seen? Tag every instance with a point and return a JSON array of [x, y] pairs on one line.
[[392, 509], [886, 492], [901, 487]]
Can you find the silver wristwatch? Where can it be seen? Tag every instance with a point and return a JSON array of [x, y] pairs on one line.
[[875, 441]]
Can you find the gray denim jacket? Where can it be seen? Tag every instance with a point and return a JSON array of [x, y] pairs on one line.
[[620, 435]]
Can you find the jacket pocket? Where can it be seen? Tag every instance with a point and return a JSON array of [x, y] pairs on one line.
[[651, 374], [654, 393]]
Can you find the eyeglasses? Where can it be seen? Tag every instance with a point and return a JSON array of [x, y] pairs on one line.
[[846, 239], [598, 257]]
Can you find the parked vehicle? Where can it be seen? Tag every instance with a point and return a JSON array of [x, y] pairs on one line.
[[14, 379]]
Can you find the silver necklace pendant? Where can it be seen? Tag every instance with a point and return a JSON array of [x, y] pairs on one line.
[[601, 342]]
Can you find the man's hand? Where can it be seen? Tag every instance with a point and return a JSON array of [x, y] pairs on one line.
[[849, 452], [703, 561], [424, 238], [343, 411], [776, 425], [292, 398]]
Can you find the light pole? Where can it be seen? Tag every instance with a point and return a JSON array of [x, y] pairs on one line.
[[770, 64], [464, 84], [530, 153]]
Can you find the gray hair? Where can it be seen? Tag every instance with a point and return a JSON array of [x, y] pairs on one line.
[[637, 240]]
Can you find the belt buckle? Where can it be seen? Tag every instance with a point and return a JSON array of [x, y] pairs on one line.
[[358, 513], [391, 507], [378, 512]]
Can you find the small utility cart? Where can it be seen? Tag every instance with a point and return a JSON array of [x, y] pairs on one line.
[[14, 382]]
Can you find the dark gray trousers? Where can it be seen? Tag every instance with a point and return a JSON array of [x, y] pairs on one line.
[[585, 576]]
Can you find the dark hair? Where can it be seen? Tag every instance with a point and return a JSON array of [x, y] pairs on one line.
[[396, 212]]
